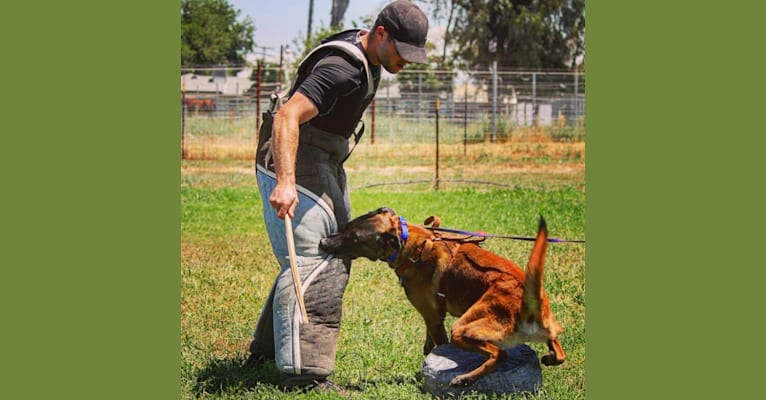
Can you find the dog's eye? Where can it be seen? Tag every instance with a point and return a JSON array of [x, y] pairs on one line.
[[354, 237]]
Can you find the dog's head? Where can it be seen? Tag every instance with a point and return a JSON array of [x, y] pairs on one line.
[[375, 235]]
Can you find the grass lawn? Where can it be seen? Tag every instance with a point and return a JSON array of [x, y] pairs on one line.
[[227, 269]]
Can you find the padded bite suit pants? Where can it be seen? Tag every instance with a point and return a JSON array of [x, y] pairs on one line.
[[305, 352]]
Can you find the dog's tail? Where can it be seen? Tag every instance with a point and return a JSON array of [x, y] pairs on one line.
[[533, 284]]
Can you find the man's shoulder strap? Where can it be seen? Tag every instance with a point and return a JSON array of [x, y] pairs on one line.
[[349, 49]]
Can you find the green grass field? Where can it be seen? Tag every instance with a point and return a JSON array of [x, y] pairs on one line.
[[227, 270]]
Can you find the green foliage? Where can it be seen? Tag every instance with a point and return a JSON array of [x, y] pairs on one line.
[[305, 45], [534, 34], [569, 132], [211, 35]]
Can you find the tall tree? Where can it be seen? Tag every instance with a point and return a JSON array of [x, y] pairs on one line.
[[212, 35], [311, 18], [444, 9], [337, 12], [546, 34]]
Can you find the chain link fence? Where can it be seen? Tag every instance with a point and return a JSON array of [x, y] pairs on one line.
[[462, 116]]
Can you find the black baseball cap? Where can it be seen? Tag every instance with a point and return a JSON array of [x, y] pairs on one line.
[[408, 26]]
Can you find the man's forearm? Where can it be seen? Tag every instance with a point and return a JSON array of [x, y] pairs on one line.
[[285, 148]]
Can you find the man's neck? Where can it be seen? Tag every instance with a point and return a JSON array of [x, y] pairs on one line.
[[364, 39]]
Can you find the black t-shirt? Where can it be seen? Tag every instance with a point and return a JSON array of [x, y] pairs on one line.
[[338, 86]]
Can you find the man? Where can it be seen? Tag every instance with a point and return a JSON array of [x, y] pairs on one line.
[[299, 169]]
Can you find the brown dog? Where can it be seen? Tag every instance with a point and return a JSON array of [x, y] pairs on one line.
[[498, 304]]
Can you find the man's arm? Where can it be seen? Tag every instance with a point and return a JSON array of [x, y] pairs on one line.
[[297, 110]]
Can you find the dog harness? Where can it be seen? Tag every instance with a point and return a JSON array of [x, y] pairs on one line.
[[441, 297]]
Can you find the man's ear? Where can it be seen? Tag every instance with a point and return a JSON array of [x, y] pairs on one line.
[[379, 32]]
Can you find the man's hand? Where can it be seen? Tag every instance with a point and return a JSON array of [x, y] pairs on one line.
[[284, 199]]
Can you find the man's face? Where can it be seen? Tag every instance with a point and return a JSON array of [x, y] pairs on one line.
[[388, 56]]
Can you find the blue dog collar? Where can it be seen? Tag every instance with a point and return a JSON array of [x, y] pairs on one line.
[[402, 238]]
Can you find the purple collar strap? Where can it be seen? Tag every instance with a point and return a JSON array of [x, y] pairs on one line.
[[402, 238]]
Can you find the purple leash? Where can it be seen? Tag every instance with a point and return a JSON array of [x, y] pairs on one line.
[[487, 235]]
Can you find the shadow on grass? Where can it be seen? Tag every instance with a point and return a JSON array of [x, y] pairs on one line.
[[394, 380], [231, 376]]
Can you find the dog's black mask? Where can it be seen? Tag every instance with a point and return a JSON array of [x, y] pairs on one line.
[[373, 235]]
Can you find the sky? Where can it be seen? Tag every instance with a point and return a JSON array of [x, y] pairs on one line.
[[279, 22]]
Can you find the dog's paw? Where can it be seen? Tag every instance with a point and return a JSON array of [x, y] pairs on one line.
[[462, 381], [550, 359]]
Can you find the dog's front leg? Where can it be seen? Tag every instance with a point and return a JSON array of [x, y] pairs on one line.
[[435, 336], [428, 345]]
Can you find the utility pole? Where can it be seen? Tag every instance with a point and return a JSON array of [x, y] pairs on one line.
[[263, 51], [494, 101], [436, 180], [311, 16], [258, 97], [280, 75]]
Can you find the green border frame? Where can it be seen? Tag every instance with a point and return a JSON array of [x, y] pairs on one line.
[[91, 167], [673, 199], [90, 286]]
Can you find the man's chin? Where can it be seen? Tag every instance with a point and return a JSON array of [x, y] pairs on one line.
[[393, 70]]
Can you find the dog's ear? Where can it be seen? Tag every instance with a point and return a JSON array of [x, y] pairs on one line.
[[433, 219], [427, 246]]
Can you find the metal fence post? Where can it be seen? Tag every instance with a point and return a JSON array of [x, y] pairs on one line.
[[494, 100], [372, 118], [388, 104], [436, 183], [534, 100], [420, 94], [576, 111], [183, 120], [465, 120]]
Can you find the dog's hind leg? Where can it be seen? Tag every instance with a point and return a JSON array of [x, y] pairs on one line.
[[556, 355], [478, 336]]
